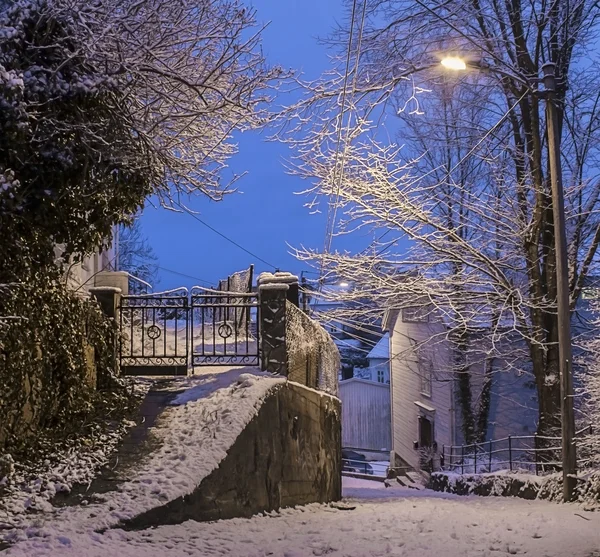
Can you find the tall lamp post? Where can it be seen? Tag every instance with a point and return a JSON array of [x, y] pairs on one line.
[[569, 458]]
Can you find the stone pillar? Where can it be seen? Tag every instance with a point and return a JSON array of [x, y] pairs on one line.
[[272, 292], [116, 279], [293, 292], [109, 298]]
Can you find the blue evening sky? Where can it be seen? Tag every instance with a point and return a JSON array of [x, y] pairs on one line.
[[267, 215]]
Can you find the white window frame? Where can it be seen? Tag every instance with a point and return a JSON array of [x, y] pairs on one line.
[[426, 378]]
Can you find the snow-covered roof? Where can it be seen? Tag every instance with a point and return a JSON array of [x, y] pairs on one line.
[[381, 349]]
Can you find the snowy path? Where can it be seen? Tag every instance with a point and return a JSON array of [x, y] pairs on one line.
[[389, 521]]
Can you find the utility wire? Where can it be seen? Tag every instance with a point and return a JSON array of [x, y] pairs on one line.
[[184, 275], [331, 213], [223, 236]]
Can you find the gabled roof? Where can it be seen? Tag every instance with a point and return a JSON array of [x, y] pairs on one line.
[[381, 349]]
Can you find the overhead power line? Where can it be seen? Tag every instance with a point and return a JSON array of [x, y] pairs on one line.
[[332, 212], [186, 276], [183, 208]]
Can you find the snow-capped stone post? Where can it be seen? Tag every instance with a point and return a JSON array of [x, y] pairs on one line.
[[273, 292], [109, 299]]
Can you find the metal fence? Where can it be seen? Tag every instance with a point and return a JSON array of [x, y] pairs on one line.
[[528, 453], [312, 357]]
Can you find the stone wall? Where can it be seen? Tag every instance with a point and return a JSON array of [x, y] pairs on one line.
[[289, 454]]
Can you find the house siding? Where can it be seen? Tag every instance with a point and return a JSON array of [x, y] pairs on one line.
[[406, 386], [379, 364], [366, 417]]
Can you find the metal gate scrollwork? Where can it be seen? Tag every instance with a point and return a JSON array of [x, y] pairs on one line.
[[224, 327], [154, 333], [170, 332]]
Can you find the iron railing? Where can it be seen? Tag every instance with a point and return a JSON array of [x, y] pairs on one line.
[[529, 453], [154, 337], [224, 328]]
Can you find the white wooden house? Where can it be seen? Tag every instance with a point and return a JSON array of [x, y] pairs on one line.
[[424, 412], [379, 361], [96, 270]]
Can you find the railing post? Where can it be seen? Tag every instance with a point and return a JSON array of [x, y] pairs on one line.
[[462, 459], [510, 452], [535, 451], [443, 459], [475, 462]]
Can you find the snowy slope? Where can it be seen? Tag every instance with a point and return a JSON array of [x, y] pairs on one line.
[[192, 438], [385, 521]]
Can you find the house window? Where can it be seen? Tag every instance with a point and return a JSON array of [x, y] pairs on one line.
[[426, 375], [416, 314], [380, 376]]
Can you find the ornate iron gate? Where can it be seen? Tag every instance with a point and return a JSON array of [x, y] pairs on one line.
[[169, 333], [224, 328], [154, 334]]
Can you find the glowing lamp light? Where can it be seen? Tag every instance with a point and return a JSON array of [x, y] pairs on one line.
[[454, 63], [344, 284]]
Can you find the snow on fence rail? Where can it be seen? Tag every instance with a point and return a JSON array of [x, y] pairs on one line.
[[313, 357], [531, 453]]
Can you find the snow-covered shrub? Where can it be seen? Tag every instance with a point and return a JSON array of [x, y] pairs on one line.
[[518, 484], [588, 390], [45, 354]]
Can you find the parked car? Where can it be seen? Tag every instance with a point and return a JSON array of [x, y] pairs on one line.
[[355, 462]]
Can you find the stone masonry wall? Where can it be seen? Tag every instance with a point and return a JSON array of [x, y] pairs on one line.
[[289, 454]]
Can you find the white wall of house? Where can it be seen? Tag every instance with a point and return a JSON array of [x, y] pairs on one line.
[[82, 276], [420, 385], [366, 420], [379, 370], [379, 361], [513, 401]]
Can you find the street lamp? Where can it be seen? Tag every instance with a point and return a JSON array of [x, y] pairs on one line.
[[569, 457], [454, 63]]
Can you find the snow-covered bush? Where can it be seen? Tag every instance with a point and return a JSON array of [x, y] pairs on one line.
[[518, 484], [46, 356]]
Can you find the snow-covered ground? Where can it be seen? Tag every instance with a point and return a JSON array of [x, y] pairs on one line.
[[29, 486], [372, 521]]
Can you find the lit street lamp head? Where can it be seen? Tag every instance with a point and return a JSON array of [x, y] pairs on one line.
[[454, 63]]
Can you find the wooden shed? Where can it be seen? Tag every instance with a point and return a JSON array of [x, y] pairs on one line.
[[366, 417]]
